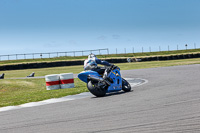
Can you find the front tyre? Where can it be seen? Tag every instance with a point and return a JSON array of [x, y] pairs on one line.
[[96, 90], [125, 85]]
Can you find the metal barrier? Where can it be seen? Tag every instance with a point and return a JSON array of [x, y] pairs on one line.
[[53, 54]]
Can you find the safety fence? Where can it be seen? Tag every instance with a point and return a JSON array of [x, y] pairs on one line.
[[53, 54], [142, 49]]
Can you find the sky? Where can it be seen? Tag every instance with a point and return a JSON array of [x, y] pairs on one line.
[[34, 26]]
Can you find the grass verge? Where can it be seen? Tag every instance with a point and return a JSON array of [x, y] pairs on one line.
[[16, 92], [19, 91]]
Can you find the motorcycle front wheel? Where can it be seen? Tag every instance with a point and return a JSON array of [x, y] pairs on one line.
[[125, 85], [95, 89]]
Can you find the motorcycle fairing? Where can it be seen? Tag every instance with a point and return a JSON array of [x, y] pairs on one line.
[[117, 81], [84, 75]]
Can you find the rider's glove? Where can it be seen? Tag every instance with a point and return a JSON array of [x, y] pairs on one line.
[[113, 67]]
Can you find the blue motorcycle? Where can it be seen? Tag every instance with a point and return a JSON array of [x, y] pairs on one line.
[[99, 86]]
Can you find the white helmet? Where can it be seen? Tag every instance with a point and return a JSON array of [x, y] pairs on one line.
[[89, 64], [91, 56]]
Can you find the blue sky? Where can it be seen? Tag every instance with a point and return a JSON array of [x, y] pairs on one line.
[[28, 26]]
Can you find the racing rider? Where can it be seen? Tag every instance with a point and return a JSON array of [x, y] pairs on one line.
[[91, 64]]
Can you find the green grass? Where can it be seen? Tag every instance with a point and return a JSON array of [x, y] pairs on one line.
[[19, 91], [69, 58], [16, 92]]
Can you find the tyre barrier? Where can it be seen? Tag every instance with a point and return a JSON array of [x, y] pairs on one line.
[[129, 60], [52, 82], [66, 80], [59, 81]]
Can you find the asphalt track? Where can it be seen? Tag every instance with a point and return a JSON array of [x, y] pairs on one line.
[[169, 102]]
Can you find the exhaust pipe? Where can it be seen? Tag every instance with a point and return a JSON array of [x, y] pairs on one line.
[[99, 79]]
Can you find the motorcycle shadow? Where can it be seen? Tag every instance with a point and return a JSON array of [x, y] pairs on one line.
[[114, 94]]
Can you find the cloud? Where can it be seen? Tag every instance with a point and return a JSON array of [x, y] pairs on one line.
[[72, 42], [102, 37], [51, 44], [116, 36], [128, 40]]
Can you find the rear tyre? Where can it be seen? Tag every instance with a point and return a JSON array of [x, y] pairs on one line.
[[125, 85], [95, 89]]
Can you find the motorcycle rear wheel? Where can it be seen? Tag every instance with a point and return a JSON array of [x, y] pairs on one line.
[[95, 89], [125, 85]]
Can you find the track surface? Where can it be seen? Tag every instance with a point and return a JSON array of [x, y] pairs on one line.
[[169, 102]]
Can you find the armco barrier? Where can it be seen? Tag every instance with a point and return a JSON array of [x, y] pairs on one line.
[[170, 57], [40, 65], [66, 80], [52, 81]]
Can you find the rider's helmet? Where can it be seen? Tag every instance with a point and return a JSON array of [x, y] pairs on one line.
[[92, 56], [89, 64]]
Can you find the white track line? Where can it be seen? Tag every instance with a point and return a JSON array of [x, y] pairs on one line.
[[137, 84]]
